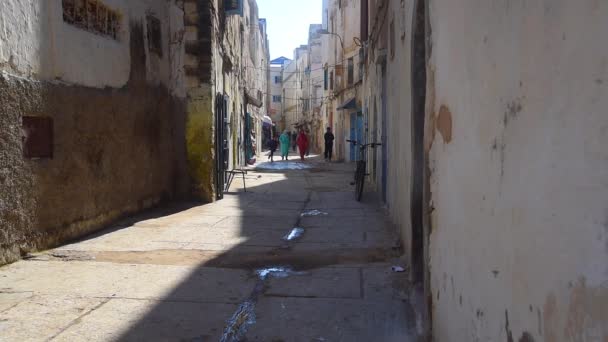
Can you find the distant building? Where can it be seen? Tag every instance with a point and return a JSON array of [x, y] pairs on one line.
[[276, 92]]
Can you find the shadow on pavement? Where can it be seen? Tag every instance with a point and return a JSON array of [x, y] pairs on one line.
[[233, 276]]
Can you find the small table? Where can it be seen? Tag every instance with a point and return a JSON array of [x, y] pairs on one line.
[[230, 177]]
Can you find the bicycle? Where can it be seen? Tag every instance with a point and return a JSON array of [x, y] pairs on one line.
[[360, 174]]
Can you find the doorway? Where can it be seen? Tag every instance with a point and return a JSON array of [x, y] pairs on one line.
[[221, 144], [418, 86], [384, 133]]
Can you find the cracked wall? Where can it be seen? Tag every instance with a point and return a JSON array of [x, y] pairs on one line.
[[519, 242]]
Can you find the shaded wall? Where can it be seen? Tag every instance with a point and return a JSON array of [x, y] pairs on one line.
[[115, 151], [519, 166]]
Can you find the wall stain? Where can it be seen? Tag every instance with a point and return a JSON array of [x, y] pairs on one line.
[[587, 313], [444, 123], [526, 337], [508, 327], [550, 318], [539, 321], [514, 108]]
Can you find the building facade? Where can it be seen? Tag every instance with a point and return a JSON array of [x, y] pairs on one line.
[[111, 107], [276, 92], [93, 134], [228, 78], [293, 88], [493, 159], [343, 104]]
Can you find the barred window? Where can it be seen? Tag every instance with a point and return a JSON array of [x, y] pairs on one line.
[[154, 35], [93, 16]]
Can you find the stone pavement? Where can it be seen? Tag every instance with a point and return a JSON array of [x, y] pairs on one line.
[[223, 271]]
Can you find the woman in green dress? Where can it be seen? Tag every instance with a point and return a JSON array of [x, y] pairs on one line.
[[285, 140]]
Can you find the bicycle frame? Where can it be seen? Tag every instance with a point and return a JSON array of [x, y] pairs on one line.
[[361, 169]]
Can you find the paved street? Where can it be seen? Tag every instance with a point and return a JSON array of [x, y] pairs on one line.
[[224, 271]]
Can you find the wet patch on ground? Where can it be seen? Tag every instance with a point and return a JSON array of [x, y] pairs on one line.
[[299, 260], [283, 165]]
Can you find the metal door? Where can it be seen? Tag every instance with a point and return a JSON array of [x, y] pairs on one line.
[[221, 144]]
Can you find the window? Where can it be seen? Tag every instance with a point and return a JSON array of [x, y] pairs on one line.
[[93, 16], [277, 79], [276, 98], [38, 137], [325, 72], [351, 71], [331, 80], [154, 35]]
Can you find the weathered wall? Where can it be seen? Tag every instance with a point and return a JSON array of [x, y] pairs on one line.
[[220, 60], [35, 40], [519, 242], [200, 100], [115, 150], [397, 103]]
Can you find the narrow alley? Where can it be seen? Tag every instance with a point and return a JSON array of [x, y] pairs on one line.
[[138, 202], [227, 271]]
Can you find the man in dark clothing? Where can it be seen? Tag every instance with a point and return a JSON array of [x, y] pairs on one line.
[[272, 145], [294, 137], [329, 143]]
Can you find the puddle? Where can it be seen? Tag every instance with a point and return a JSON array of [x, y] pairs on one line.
[[277, 272], [237, 325], [244, 317], [313, 212], [283, 165], [294, 234]]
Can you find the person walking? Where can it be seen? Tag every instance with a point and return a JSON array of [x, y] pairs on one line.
[[272, 145], [294, 138], [329, 143], [302, 142], [285, 140]]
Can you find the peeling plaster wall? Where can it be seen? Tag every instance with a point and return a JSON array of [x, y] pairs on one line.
[[519, 164], [115, 150], [219, 60]]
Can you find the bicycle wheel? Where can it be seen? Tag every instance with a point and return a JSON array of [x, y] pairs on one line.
[[360, 180]]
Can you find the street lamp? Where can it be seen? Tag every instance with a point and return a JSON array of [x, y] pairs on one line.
[[324, 31]]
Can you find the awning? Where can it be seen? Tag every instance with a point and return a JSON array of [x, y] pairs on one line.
[[348, 104]]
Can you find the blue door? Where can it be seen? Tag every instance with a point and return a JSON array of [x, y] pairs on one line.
[[353, 136], [356, 134], [360, 137]]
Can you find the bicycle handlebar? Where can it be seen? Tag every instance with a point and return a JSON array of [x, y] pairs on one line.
[[364, 145]]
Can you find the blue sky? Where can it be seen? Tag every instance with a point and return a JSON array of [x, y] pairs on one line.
[[288, 22]]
